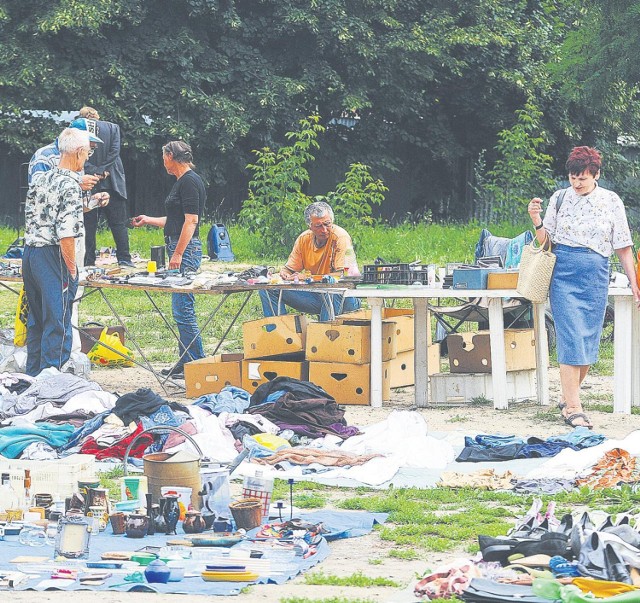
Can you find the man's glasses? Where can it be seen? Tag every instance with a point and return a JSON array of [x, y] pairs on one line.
[[322, 225]]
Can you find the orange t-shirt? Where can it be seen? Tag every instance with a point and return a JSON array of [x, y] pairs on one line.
[[319, 260]]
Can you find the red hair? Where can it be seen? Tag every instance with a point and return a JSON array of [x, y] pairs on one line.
[[583, 159]]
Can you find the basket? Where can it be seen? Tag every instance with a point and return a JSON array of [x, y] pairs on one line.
[[247, 513], [395, 274]]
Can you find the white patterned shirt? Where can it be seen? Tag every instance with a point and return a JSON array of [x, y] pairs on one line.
[[53, 209], [597, 221]]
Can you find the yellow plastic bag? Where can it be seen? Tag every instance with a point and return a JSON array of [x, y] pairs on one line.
[[22, 312], [102, 356], [271, 441]]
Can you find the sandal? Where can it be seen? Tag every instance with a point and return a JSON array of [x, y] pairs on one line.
[[571, 420]]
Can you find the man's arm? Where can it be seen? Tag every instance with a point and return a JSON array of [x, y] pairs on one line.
[[112, 151], [68, 249]]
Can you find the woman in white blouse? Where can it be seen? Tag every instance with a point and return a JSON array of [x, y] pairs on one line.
[[586, 224]]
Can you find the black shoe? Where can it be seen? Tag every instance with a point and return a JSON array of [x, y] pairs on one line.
[[177, 372], [126, 264]]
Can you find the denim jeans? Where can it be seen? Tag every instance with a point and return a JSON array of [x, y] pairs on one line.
[[183, 305], [308, 302], [50, 291]]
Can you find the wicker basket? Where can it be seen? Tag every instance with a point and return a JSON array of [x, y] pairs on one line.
[[247, 513]]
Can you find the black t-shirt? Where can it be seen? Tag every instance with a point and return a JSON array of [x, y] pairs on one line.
[[186, 197]]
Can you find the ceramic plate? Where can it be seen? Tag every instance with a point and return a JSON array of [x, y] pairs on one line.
[[229, 576], [214, 539], [226, 568]]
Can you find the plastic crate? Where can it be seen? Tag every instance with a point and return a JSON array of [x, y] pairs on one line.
[[56, 477], [395, 274]]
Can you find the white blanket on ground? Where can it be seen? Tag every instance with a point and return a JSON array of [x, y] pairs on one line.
[[402, 438]]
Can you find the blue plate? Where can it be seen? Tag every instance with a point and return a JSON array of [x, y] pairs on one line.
[[226, 568], [103, 565]]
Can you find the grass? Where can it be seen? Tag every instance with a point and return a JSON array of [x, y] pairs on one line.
[[327, 600], [356, 579]]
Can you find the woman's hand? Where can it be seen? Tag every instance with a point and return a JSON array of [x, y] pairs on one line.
[[140, 220], [535, 209], [102, 198]]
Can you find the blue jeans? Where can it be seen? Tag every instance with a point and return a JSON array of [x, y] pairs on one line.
[[183, 305], [50, 292], [308, 302]]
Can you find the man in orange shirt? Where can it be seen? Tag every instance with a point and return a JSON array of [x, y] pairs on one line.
[[320, 250]]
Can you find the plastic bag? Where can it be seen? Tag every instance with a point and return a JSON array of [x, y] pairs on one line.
[[22, 312], [103, 356]]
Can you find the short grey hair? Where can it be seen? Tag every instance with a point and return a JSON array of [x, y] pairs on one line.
[[317, 209], [72, 140]]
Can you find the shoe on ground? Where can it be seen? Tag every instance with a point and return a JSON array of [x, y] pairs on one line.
[[126, 264], [176, 372]]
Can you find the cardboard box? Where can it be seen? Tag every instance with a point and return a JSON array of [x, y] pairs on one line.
[[347, 341], [503, 280], [455, 389], [348, 383], [277, 336], [402, 367], [210, 375], [471, 352], [257, 372], [403, 317]]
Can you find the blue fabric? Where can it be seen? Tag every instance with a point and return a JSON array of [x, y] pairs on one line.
[[106, 541], [183, 304], [14, 439], [87, 428], [308, 302], [578, 296], [161, 416], [50, 291], [580, 437], [345, 524], [230, 399], [510, 250]]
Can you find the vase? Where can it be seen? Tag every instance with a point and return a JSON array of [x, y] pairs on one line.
[[151, 530], [158, 517], [157, 571], [137, 525], [171, 513], [193, 523]]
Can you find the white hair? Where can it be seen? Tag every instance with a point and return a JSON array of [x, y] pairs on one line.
[[72, 140], [317, 209]]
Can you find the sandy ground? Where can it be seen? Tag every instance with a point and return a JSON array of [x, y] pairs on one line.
[[363, 554]]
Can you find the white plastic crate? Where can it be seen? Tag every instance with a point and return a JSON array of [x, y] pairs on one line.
[[55, 477], [460, 388]]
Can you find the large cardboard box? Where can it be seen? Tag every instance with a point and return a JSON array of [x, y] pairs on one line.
[[347, 341], [471, 352], [210, 375], [403, 317], [279, 336], [455, 389], [256, 372], [402, 367], [348, 383]]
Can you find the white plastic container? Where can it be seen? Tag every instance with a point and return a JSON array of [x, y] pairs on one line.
[[183, 493], [259, 487], [216, 494]]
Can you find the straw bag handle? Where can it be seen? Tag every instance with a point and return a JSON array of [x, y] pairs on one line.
[[546, 246], [157, 428]]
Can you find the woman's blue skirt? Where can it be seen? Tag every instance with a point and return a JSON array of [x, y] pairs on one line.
[[578, 296]]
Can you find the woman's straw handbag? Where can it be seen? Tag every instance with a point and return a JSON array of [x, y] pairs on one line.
[[536, 268]]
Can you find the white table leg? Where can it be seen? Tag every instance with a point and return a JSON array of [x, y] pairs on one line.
[[376, 351], [421, 370], [542, 354], [622, 354], [498, 361], [635, 356]]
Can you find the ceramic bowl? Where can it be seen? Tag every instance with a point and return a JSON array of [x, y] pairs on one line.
[[143, 558], [177, 570], [127, 506]]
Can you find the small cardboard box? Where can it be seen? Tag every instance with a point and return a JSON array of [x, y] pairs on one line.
[[348, 383], [471, 278], [210, 375], [347, 341], [403, 317], [257, 372], [503, 280], [454, 389], [277, 336], [402, 367], [471, 352]]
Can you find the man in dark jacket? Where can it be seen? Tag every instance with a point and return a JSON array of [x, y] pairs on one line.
[[106, 163]]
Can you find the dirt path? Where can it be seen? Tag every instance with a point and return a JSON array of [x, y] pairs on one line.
[[369, 554]]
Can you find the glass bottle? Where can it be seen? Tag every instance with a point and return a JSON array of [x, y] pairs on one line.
[[9, 498], [350, 262], [27, 488]]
